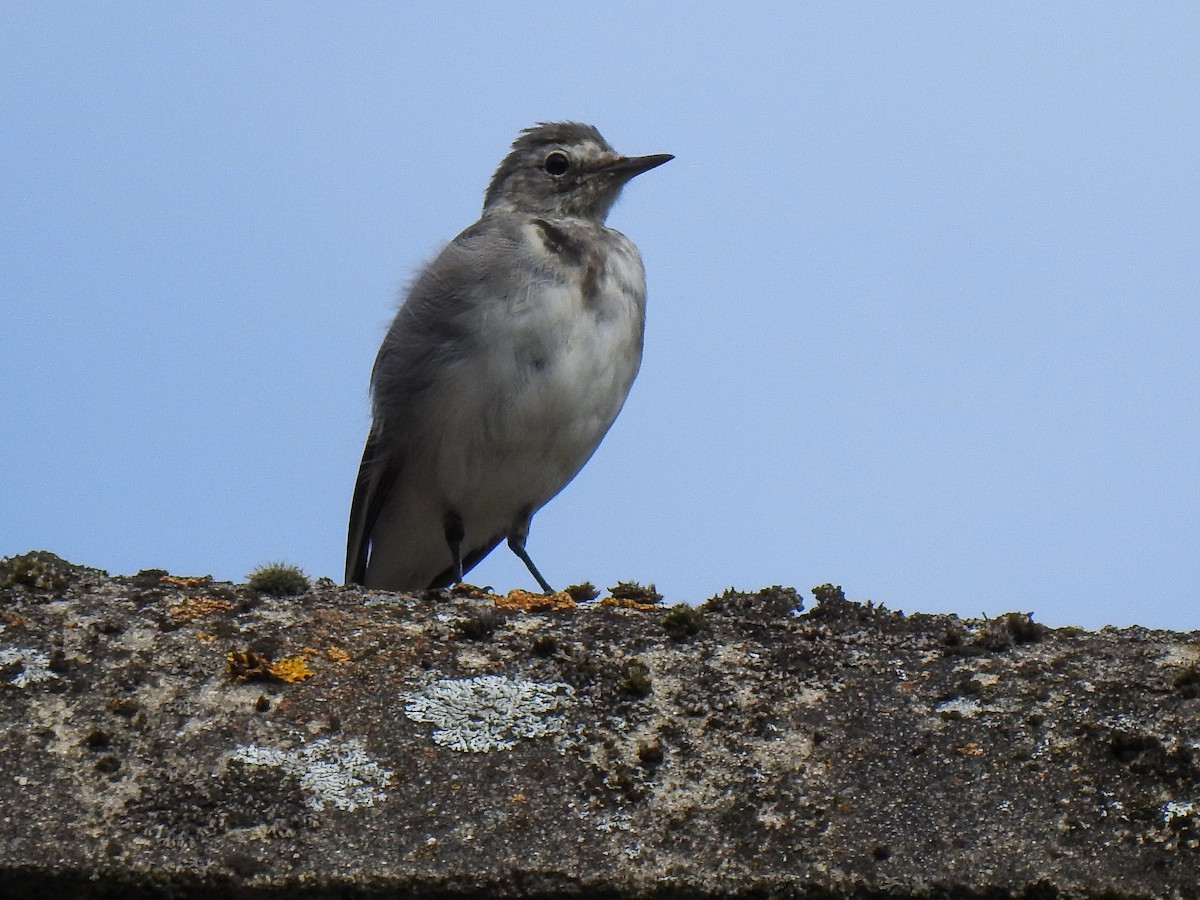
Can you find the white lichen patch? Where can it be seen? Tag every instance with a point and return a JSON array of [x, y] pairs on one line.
[[331, 773], [1173, 809], [784, 749], [490, 712], [1179, 827], [527, 624], [616, 822], [386, 599], [35, 665], [1180, 655], [959, 707]]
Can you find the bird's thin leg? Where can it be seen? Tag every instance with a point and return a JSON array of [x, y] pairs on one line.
[[453, 526], [516, 543]]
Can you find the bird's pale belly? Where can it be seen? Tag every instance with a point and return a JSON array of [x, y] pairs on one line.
[[537, 420]]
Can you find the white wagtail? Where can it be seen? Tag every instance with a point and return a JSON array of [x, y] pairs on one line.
[[504, 367]]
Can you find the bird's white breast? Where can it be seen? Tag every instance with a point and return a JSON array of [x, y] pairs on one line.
[[557, 361]]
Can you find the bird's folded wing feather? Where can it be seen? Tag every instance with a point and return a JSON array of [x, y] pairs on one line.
[[376, 474], [437, 325]]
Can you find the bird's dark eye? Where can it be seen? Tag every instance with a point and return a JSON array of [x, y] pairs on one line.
[[557, 163]]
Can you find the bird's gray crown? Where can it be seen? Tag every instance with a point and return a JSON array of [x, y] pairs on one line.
[[562, 168]]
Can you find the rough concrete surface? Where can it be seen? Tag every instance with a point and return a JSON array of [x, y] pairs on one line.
[[177, 737]]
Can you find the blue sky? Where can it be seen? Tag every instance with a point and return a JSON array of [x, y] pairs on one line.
[[923, 286]]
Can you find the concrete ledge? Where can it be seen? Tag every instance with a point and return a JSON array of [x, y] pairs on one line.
[[178, 737]]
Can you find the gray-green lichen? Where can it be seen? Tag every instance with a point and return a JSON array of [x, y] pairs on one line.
[[31, 666], [489, 712], [331, 773]]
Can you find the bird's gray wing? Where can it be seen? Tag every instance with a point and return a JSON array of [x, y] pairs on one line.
[[436, 326], [376, 474]]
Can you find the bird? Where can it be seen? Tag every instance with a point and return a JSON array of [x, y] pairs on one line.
[[506, 364]]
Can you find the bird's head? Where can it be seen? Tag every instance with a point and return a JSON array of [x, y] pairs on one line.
[[564, 168]]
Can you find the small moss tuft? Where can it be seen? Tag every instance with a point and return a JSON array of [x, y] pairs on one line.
[[149, 577], [582, 593], [97, 740], [829, 593], [253, 665], [1009, 630], [1187, 682], [1128, 746], [478, 625], [624, 781], [38, 569], [970, 687], [635, 681], [247, 665], [632, 591], [683, 621], [1023, 629], [650, 755], [279, 580]]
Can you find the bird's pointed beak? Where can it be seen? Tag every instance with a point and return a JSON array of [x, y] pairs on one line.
[[628, 166]]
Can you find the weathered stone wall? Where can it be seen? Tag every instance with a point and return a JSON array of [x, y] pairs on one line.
[[178, 737]]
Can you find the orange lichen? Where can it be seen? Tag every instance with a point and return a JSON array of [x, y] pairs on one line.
[[290, 669], [337, 654], [190, 608], [187, 582], [525, 600], [247, 665]]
